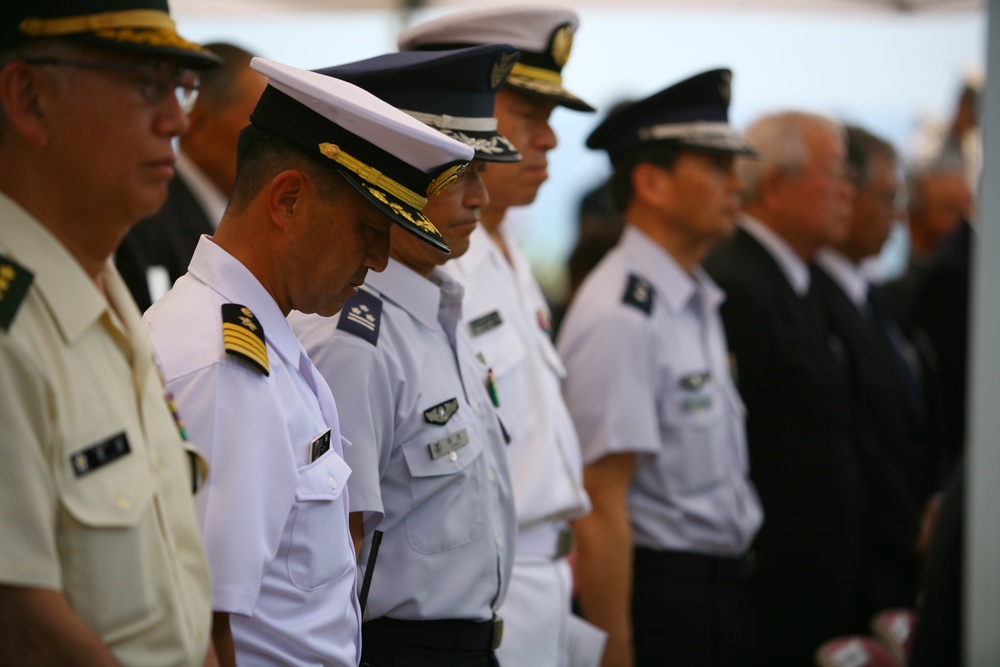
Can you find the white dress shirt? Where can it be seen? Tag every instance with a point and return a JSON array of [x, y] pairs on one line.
[[274, 520]]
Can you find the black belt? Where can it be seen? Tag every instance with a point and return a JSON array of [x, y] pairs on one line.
[[449, 635], [727, 568]]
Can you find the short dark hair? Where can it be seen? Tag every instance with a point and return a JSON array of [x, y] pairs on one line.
[[218, 85], [861, 147], [260, 157], [660, 154]]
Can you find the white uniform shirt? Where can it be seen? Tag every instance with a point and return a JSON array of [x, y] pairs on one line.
[[648, 373], [274, 523], [440, 492], [509, 322]]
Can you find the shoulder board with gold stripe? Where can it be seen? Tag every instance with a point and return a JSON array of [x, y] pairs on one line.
[[14, 283], [243, 336]]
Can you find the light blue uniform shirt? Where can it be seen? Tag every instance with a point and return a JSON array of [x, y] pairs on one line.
[[648, 372], [428, 457]]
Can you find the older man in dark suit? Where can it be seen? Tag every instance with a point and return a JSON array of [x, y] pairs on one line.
[[156, 252], [894, 434], [790, 368]]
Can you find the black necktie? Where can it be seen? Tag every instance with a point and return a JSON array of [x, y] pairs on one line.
[[885, 324]]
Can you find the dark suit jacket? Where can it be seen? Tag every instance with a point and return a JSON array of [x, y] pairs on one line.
[[802, 458], [893, 448], [166, 239], [940, 310]]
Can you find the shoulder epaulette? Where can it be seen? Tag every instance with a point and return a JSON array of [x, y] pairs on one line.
[[14, 283], [362, 316], [243, 336], [639, 293]]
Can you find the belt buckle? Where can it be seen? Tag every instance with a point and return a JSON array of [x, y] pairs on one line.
[[497, 632], [564, 544]]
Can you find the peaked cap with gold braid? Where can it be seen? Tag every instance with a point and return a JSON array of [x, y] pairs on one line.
[[544, 36], [392, 160], [134, 26]]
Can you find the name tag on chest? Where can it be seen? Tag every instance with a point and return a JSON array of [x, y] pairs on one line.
[[487, 322], [449, 444], [319, 446], [101, 454]]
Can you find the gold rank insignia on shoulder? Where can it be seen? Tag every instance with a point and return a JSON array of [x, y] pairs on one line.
[[442, 412], [243, 336], [14, 283], [562, 43]]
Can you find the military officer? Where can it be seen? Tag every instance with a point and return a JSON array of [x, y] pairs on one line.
[[510, 324], [324, 169], [101, 562], [428, 461], [662, 564]]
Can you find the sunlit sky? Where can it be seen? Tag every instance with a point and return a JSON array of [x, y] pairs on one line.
[[892, 74]]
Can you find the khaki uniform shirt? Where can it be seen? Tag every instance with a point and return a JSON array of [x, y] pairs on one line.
[[95, 485]]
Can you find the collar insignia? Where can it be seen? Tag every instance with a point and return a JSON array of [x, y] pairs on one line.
[[14, 283], [639, 293]]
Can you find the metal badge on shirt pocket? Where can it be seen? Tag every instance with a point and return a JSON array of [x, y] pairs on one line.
[[442, 412], [695, 382]]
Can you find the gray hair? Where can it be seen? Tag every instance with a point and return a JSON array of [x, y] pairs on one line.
[[40, 49], [780, 141]]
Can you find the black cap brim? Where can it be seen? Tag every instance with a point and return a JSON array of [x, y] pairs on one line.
[[401, 213]]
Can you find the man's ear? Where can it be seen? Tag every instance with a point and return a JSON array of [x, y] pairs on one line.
[[772, 188], [285, 198], [24, 96], [651, 184]]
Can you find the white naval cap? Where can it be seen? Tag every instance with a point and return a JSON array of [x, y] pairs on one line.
[[391, 159], [544, 36]]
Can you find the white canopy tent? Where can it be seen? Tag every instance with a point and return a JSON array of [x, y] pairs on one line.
[[982, 615]]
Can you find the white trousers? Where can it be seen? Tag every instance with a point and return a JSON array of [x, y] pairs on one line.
[[538, 628]]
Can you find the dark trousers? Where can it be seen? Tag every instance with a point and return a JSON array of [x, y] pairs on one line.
[[387, 642], [690, 610]]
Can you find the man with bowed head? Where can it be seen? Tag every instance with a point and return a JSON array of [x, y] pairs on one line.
[[429, 459], [324, 171]]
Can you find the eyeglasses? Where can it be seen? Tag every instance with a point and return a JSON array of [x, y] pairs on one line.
[[156, 80]]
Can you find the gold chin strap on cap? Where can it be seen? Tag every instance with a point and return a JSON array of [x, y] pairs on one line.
[[537, 73], [372, 175], [73, 25]]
